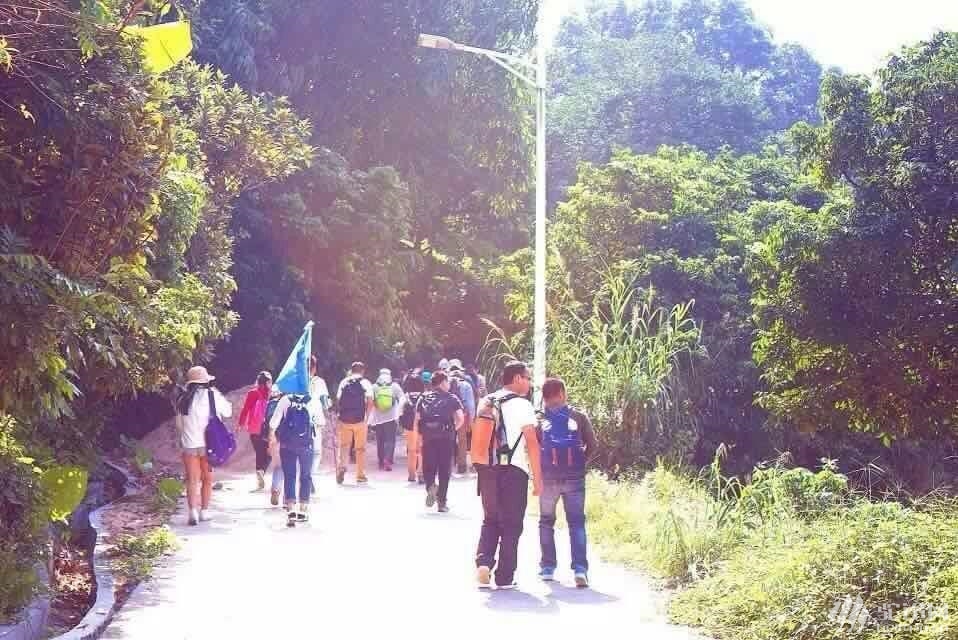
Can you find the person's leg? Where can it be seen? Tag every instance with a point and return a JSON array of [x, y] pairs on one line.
[[462, 443], [391, 429], [379, 430], [573, 501], [360, 437], [191, 468], [430, 462], [277, 485], [548, 502], [345, 443], [445, 468], [490, 532], [513, 495], [206, 475], [305, 477], [289, 460], [412, 456]]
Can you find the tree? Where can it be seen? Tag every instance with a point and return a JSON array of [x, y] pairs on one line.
[[699, 72], [857, 303]]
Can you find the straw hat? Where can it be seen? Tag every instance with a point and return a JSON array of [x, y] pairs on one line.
[[198, 375]]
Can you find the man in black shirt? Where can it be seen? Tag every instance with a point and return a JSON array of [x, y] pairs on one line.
[[439, 416]]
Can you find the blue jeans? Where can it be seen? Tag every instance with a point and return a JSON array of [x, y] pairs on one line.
[[290, 458], [572, 492]]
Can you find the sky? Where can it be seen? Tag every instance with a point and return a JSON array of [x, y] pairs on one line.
[[855, 35]]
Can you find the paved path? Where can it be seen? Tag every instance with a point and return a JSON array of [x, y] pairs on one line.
[[374, 562]]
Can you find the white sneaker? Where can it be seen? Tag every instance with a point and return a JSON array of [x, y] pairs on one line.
[[581, 579], [205, 515], [484, 576], [507, 587], [194, 517]]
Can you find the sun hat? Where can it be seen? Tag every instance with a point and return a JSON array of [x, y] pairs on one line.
[[456, 365], [198, 375]]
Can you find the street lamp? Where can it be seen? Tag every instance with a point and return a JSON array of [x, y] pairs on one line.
[[534, 75]]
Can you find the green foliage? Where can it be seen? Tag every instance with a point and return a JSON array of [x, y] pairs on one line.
[[856, 303], [168, 492], [898, 561], [65, 487], [114, 243], [22, 508], [701, 72], [136, 556], [622, 364], [774, 490]]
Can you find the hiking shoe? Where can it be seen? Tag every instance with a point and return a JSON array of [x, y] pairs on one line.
[[302, 516], [431, 496], [388, 467], [443, 507], [260, 482], [484, 577], [547, 574], [274, 497], [194, 518], [509, 586], [291, 519], [340, 476], [361, 479], [581, 579], [412, 477]]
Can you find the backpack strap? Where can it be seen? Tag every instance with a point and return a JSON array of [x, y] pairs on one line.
[[209, 393], [500, 423]]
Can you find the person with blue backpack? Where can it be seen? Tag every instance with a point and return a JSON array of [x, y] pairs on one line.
[[293, 427], [566, 440]]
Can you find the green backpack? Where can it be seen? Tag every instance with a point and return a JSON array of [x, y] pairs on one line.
[[384, 397]]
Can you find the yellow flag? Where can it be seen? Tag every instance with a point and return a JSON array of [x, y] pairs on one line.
[[164, 44]]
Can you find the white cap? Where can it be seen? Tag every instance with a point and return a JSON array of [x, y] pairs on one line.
[[443, 365], [456, 363]]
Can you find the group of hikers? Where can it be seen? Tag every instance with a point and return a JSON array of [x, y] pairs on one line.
[[448, 417]]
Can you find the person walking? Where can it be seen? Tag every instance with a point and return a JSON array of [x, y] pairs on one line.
[[479, 380], [319, 411], [355, 398], [195, 407], [439, 417], [252, 419], [388, 400], [505, 452], [293, 427], [566, 441], [462, 388], [413, 387]]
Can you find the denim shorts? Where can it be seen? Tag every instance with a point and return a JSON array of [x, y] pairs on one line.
[[195, 451]]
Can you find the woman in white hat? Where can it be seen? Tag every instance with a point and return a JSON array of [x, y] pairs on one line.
[[195, 408]]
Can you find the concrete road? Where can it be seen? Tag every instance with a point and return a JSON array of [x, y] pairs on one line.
[[373, 562]]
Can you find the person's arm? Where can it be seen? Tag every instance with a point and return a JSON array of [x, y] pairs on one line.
[[247, 411], [369, 400], [531, 435], [588, 436], [278, 414], [459, 419], [223, 406]]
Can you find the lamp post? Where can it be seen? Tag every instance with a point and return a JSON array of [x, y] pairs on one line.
[[533, 73]]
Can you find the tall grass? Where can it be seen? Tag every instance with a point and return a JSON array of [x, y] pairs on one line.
[[622, 361]]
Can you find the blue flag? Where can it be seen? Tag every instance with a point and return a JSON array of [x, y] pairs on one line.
[[294, 378]]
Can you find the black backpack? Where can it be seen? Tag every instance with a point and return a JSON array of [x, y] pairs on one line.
[[409, 410], [296, 430], [352, 402], [435, 419], [501, 450]]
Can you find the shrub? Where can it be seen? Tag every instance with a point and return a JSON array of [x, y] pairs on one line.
[[22, 518], [136, 556], [168, 492], [667, 523], [900, 562], [798, 491]]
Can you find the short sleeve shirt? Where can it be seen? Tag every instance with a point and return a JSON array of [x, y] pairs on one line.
[[517, 414], [448, 404]]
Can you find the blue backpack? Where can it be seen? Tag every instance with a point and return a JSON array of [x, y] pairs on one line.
[[296, 429], [563, 454]]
